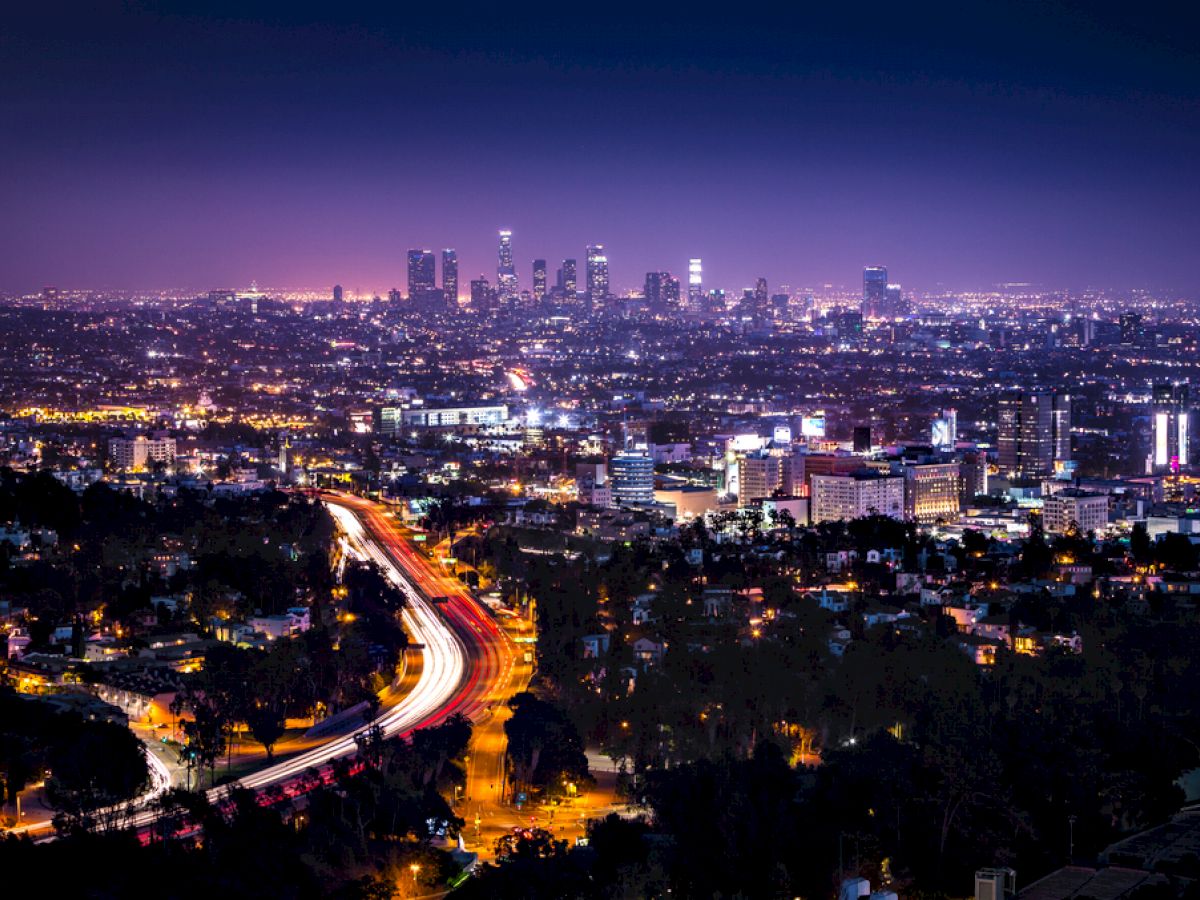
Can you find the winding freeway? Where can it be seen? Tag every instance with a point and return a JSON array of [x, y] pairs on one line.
[[468, 662]]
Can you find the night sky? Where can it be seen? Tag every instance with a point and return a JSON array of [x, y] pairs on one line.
[[198, 146]]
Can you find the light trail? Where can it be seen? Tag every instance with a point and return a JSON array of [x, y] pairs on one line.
[[467, 656]]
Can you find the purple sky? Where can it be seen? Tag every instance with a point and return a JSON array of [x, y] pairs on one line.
[[160, 146]]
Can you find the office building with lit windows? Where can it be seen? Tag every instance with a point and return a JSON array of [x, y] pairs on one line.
[[450, 277], [422, 275], [1034, 432], [631, 478], [597, 275], [1171, 417]]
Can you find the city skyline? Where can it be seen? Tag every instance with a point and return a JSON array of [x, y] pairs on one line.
[[793, 146]]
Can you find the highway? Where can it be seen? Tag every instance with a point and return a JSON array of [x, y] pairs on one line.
[[467, 659]]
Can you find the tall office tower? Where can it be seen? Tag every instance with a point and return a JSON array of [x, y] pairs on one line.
[[568, 281], [862, 439], [631, 474], [670, 292], [482, 295], [597, 275], [658, 290], [894, 302], [1132, 332], [762, 297], [1035, 430], [945, 430], [874, 295], [932, 491], [422, 274], [539, 280], [506, 273], [695, 286], [1061, 425], [337, 293], [394, 296], [1171, 421], [450, 277]]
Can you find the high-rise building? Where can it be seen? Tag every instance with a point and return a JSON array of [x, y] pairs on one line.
[[661, 291], [507, 286], [597, 275], [631, 475], [337, 293], [762, 300], [539, 280], [762, 475], [932, 491], [1171, 416], [1073, 508], [422, 274], [140, 452], [945, 430], [450, 277], [856, 495], [1034, 431], [482, 295], [893, 302], [875, 288], [1133, 334], [695, 286], [394, 296], [567, 281], [862, 438]]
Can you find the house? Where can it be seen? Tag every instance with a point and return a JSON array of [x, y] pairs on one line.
[[595, 645], [649, 652], [839, 639], [981, 650], [883, 615]]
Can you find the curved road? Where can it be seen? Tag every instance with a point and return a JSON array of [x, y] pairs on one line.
[[468, 661]]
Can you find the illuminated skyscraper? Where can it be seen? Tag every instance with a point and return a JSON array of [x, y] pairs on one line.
[[695, 286], [1171, 425], [597, 274], [632, 475], [1035, 430], [875, 289], [945, 430], [482, 295], [567, 280], [450, 277], [507, 286], [894, 303], [539, 280], [422, 274], [658, 291]]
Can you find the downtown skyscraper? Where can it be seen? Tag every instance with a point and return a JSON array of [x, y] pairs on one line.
[[507, 286], [597, 275], [422, 274], [1171, 415], [450, 277], [695, 295], [1034, 432], [539, 280], [874, 292]]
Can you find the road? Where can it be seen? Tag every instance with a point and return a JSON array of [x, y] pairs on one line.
[[469, 665], [498, 671], [463, 659]]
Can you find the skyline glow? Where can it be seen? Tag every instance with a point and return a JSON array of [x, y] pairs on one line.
[[201, 147]]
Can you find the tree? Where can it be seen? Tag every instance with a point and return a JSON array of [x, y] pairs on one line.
[[100, 765]]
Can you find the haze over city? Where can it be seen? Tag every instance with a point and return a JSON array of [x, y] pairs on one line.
[[530, 452], [157, 146]]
